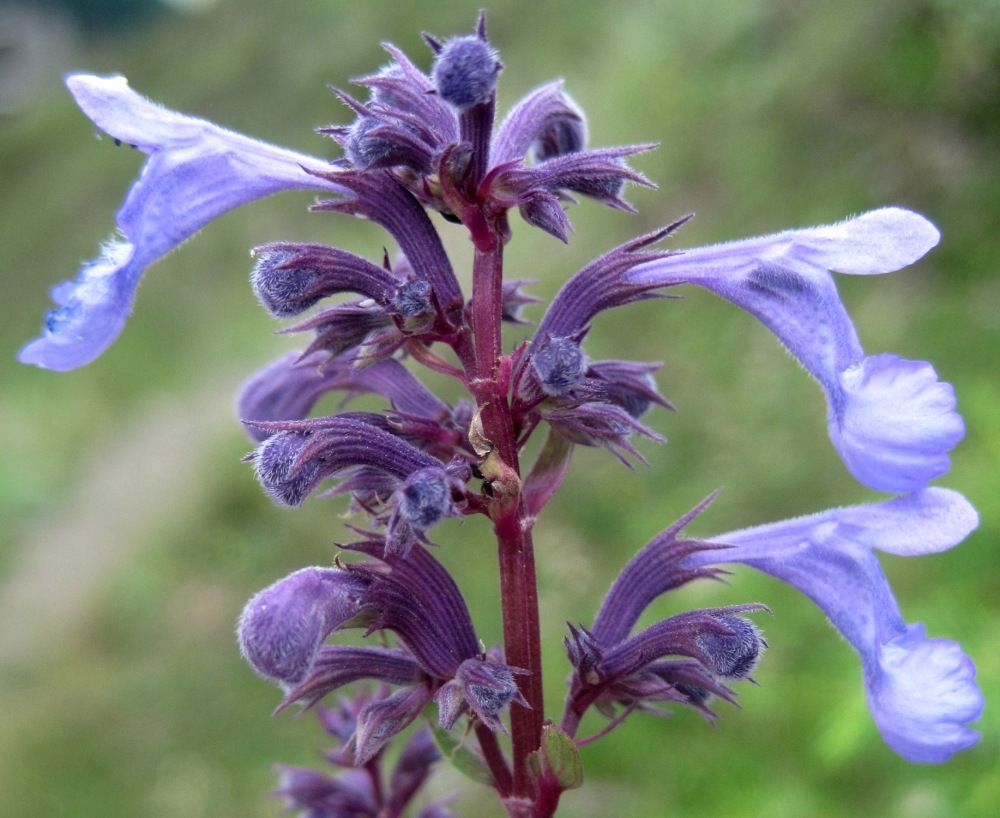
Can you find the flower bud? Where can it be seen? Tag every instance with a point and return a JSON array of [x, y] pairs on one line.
[[465, 71], [284, 290], [733, 655], [489, 688], [413, 303], [364, 150], [560, 364], [281, 628], [274, 463], [425, 498], [563, 134]]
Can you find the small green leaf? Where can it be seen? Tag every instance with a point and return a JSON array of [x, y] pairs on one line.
[[562, 757], [465, 761], [535, 764]]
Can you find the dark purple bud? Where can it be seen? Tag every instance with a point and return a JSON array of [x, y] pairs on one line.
[[403, 90], [390, 139], [362, 148], [414, 303], [599, 424], [733, 655], [289, 278], [628, 384], [279, 287], [425, 498], [465, 71], [693, 681], [344, 327], [422, 500], [563, 133], [546, 120], [275, 462], [560, 364], [600, 174], [379, 721], [281, 628], [300, 454], [489, 688], [678, 635], [605, 186]]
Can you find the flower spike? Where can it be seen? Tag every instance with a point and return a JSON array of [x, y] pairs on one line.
[[196, 172]]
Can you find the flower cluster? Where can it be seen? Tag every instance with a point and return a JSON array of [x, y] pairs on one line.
[[422, 146]]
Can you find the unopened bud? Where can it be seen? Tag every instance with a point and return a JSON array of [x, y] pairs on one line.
[[364, 150], [414, 304], [425, 498], [466, 71], [733, 655], [489, 689], [563, 134], [560, 364], [284, 290], [273, 464]]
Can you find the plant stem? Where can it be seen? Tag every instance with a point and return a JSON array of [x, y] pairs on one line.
[[494, 759], [518, 588]]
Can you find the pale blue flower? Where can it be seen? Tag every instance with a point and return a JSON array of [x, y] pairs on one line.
[[890, 419], [196, 172], [921, 692]]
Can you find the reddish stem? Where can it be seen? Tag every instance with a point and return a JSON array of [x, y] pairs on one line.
[[494, 759], [518, 588]]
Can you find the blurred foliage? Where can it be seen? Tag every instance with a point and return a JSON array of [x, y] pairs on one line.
[[130, 698]]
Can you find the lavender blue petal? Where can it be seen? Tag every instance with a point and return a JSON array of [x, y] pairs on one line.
[[196, 172]]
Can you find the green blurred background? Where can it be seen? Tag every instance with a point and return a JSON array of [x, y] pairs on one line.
[[132, 534]]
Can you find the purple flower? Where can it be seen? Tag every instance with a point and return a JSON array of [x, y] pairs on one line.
[[890, 419], [283, 626], [196, 172], [921, 692]]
